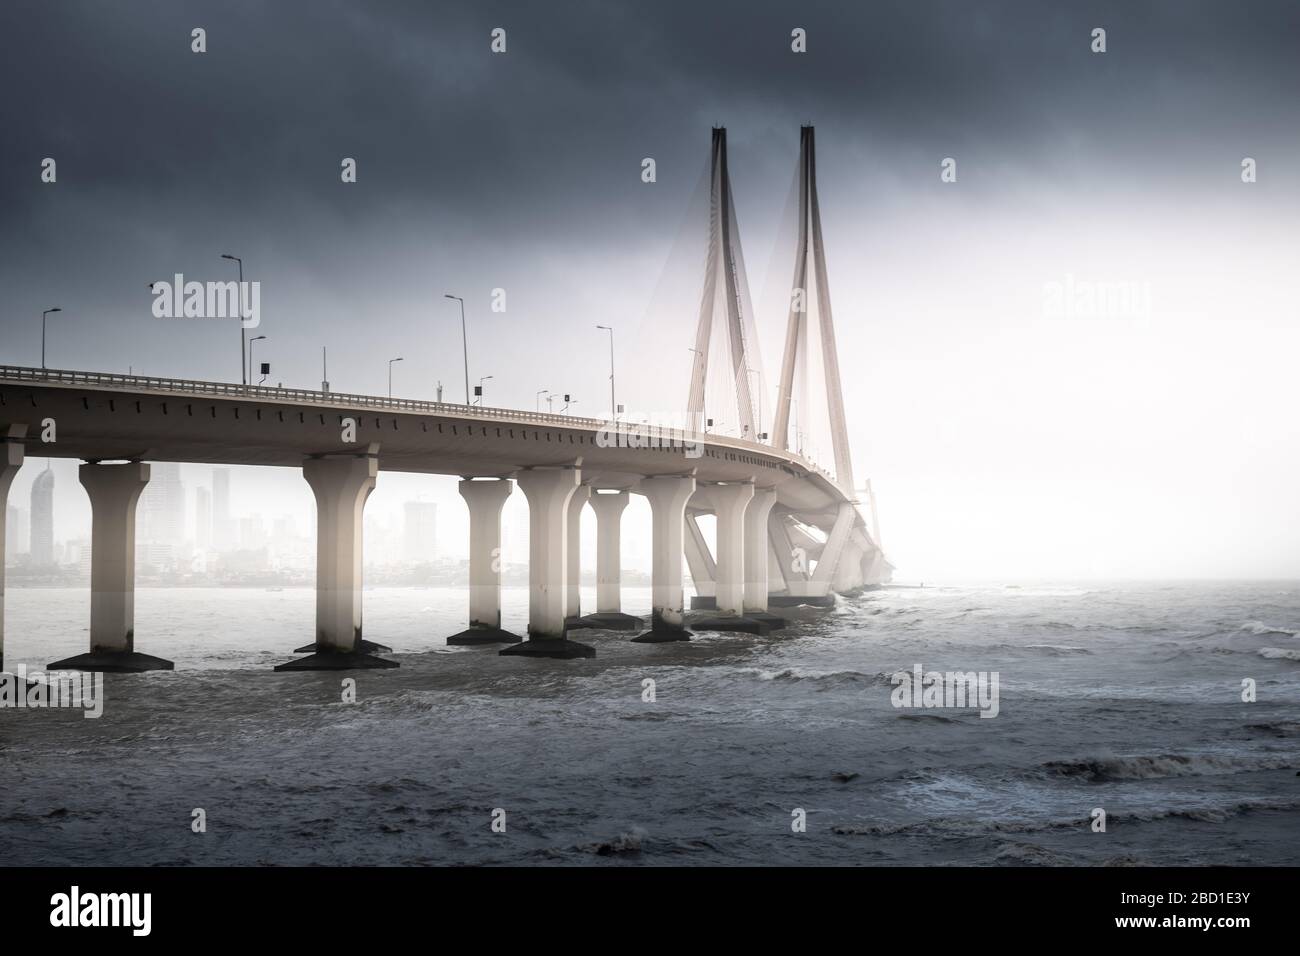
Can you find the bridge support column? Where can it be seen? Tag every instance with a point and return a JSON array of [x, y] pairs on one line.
[[668, 495], [609, 563], [341, 484], [114, 491], [485, 499], [758, 546], [730, 503], [11, 459], [573, 560], [548, 491]]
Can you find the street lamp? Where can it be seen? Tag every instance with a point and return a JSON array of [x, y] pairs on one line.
[[464, 344], [251, 364], [43, 315], [613, 408], [479, 391], [243, 368], [537, 401], [390, 374]]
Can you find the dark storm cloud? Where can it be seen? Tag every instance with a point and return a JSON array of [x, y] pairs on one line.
[[166, 156]]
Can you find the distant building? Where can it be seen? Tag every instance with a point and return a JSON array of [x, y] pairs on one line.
[[42, 528], [17, 532], [224, 529], [419, 528], [202, 518], [161, 515]]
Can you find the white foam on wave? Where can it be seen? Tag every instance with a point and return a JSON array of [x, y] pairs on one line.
[[1260, 629], [1280, 653]]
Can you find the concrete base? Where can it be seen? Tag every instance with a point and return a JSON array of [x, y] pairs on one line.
[[483, 635], [774, 621], [790, 600], [746, 624], [367, 647], [663, 634], [337, 661], [548, 647], [609, 621], [112, 662], [704, 602]]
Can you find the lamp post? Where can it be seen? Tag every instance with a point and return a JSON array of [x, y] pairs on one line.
[[537, 400], [43, 315], [464, 344], [390, 374], [613, 408], [480, 388], [251, 365], [243, 334]]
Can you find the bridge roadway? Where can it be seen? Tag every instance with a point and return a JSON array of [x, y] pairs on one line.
[[116, 423]]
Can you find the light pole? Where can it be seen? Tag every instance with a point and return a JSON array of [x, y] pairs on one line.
[[243, 368], [537, 401], [43, 315], [613, 408], [464, 344], [390, 374], [251, 366], [480, 388]]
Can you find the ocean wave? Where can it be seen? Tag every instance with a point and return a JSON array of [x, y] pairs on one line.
[[1260, 629], [965, 828], [798, 674], [1109, 769], [1280, 653]]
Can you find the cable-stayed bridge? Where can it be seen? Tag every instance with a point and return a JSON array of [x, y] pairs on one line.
[[788, 531]]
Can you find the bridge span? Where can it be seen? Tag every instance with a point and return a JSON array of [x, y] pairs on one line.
[[787, 531], [806, 537]]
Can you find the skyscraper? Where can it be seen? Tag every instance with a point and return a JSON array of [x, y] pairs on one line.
[[162, 506], [17, 533], [224, 531], [42, 546], [202, 518], [418, 529]]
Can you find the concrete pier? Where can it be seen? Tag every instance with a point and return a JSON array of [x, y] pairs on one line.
[[573, 559], [114, 491], [729, 502], [758, 547], [11, 459], [667, 495], [608, 507], [485, 498], [341, 485], [549, 491]]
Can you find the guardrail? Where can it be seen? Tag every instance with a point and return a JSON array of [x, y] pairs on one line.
[[182, 386]]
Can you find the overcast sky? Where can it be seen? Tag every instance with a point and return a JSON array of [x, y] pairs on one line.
[[1004, 439]]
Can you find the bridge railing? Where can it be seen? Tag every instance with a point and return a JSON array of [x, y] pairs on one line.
[[182, 386]]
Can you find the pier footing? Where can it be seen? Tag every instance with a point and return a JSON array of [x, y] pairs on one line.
[[561, 648], [748, 625], [112, 662], [337, 661], [483, 635]]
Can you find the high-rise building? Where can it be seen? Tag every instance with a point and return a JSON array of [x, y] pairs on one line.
[[418, 531], [17, 533], [202, 518], [162, 506], [225, 532], [42, 534]]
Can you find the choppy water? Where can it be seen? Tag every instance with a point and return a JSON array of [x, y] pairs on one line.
[[1125, 698]]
